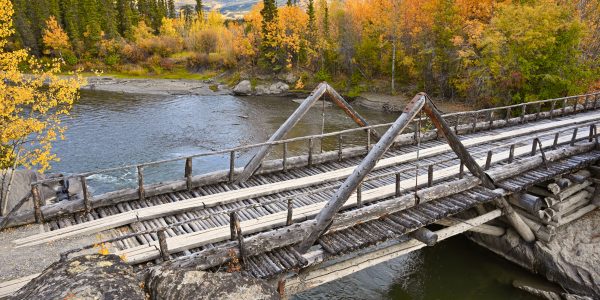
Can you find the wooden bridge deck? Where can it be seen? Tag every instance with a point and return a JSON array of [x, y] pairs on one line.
[[198, 220]]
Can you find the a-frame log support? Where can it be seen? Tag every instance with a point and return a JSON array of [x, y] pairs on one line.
[[420, 101], [322, 88]]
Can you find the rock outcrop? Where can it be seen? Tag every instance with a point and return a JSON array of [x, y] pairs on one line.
[[85, 277], [244, 88], [172, 282]]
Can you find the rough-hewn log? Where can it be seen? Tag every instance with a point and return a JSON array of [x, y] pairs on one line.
[[326, 215], [349, 110], [425, 236], [529, 202], [577, 214], [282, 131], [484, 228], [543, 232]]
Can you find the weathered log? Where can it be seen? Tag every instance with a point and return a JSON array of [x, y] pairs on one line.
[[425, 236], [580, 176], [326, 215], [529, 202], [569, 202], [484, 228], [577, 214], [568, 192], [257, 159], [559, 185], [543, 232]]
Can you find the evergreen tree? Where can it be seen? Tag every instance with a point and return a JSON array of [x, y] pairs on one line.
[[70, 14], [289, 3], [268, 49], [108, 18], [25, 36], [89, 25], [125, 17], [310, 11], [172, 12], [199, 6]]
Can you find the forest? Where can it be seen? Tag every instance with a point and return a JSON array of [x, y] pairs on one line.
[[483, 52]]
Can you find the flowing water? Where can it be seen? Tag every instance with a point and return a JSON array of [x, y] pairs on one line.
[[107, 130]]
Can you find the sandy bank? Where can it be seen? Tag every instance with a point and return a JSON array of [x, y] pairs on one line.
[[156, 86]]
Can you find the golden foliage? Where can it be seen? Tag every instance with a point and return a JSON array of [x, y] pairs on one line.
[[55, 38], [31, 105]]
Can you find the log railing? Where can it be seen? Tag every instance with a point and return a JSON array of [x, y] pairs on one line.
[[468, 121]]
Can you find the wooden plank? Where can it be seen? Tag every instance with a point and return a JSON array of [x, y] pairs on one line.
[[266, 189], [7, 288]]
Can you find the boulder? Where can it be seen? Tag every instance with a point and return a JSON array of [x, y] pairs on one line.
[[173, 282], [244, 88], [262, 89], [85, 277], [278, 88]]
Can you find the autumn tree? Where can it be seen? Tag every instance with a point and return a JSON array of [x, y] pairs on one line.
[[55, 38], [32, 107]]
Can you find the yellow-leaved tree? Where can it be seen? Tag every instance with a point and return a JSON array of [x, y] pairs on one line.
[[31, 107], [55, 38]]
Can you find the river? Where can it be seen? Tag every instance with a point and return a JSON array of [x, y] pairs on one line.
[[107, 130]]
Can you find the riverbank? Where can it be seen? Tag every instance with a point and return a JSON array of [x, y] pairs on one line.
[[151, 86]]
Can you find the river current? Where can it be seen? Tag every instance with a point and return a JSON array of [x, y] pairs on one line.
[[107, 130]]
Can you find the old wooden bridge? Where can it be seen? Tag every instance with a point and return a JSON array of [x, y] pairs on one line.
[[305, 220]]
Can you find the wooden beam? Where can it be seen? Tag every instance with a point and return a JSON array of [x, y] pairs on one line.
[[325, 217], [256, 160]]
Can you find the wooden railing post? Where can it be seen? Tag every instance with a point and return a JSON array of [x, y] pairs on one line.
[[555, 143], [552, 109], [488, 160], [37, 203], [340, 153], [233, 219], [397, 184], [86, 196], [231, 166], [461, 170], [368, 139], [141, 193], [290, 211], [430, 176], [188, 173], [310, 152], [523, 112], [162, 243], [511, 153], [574, 137], [284, 158], [359, 195]]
